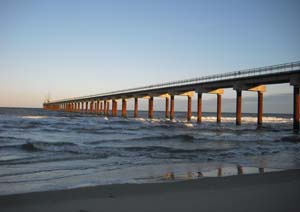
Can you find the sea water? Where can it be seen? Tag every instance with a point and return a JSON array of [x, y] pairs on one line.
[[48, 150]]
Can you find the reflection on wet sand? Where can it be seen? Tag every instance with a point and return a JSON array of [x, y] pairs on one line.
[[189, 175], [240, 170], [219, 172], [261, 170], [169, 176]]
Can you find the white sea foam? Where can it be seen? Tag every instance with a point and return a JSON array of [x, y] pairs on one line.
[[34, 117], [246, 119], [188, 125], [140, 119]]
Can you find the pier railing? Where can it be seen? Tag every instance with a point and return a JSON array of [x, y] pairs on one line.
[[274, 69]]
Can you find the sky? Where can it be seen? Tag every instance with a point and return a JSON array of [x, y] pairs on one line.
[[83, 47]]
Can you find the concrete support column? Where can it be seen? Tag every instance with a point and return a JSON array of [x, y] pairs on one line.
[[136, 105], [91, 106], [219, 108], [86, 106], [150, 108], [167, 108], [124, 109], [259, 108], [296, 109], [114, 108], [189, 108], [97, 107], [101, 107], [172, 107], [104, 109], [238, 107], [107, 108], [199, 108]]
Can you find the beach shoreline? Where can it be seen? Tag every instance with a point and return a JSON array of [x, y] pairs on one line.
[[273, 191]]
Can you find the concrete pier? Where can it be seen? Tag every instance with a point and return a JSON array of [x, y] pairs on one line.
[[172, 108], [136, 106], [150, 108], [245, 80], [296, 109], [124, 108], [238, 107]]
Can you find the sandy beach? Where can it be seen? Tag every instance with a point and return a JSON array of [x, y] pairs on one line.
[[276, 191]]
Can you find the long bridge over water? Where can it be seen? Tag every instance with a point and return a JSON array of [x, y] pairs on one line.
[[245, 80]]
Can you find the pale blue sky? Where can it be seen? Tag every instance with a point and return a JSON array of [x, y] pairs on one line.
[[74, 48]]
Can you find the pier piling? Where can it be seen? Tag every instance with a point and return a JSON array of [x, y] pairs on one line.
[[124, 108], [189, 108], [150, 108], [136, 105], [104, 109], [167, 108], [86, 106], [172, 108], [238, 107], [296, 109], [219, 107], [199, 108], [259, 108]]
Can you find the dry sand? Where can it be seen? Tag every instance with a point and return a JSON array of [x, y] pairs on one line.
[[277, 191]]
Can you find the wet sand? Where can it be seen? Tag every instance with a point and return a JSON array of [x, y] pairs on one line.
[[276, 191]]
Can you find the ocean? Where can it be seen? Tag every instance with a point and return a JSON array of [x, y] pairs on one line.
[[50, 150]]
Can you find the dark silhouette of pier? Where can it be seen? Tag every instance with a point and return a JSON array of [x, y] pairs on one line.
[[246, 80]]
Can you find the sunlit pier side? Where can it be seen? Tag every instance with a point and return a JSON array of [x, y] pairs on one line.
[[246, 80]]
